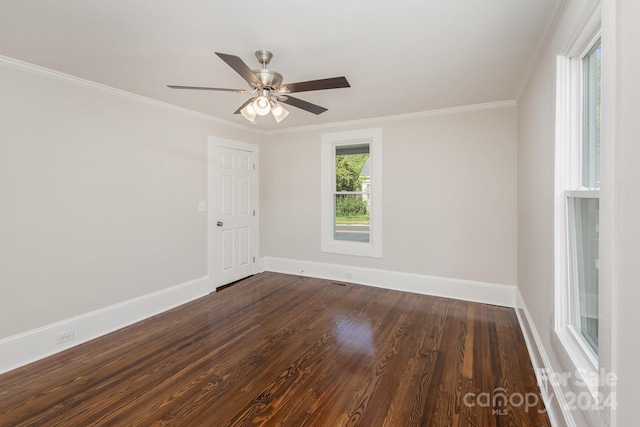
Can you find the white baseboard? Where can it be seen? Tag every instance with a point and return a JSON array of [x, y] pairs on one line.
[[27, 347], [468, 290], [552, 394]]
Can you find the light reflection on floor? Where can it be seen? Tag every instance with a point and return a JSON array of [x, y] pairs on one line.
[[354, 336]]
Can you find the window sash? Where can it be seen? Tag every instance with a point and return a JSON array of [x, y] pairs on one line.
[[583, 230], [351, 192], [591, 117], [357, 228], [352, 204]]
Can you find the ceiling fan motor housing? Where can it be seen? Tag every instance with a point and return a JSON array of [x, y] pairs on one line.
[[270, 79]]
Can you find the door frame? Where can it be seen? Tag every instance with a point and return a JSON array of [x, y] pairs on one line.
[[212, 143]]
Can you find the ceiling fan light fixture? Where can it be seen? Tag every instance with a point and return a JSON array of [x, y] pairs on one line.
[[268, 90], [279, 112], [261, 105], [248, 112]]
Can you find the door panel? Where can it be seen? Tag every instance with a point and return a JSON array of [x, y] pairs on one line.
[[244, 248], [226, 199], [226, 244], [233, 220], [243, 195]]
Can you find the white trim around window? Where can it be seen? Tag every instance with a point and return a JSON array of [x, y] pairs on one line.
[[574, 353], [329, 143]]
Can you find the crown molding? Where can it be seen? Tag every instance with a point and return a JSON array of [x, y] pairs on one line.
[[67, 78], [544, 40], [399, 117]]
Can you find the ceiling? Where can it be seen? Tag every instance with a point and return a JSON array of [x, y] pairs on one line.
[[400, 57]]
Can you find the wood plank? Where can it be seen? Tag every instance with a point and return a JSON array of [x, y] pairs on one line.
[[278, 349]]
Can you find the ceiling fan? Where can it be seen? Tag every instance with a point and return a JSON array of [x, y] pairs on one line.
[[269, 89]]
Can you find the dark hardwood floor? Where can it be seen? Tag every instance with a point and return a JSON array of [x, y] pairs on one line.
[[281, 350]]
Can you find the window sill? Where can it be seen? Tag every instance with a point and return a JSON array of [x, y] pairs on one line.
[[351, 248]]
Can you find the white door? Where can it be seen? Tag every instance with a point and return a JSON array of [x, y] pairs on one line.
[[233, 221]]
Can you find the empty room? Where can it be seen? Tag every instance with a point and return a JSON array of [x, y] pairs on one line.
[[411, 213]]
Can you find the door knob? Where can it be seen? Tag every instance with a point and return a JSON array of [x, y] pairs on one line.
[[219, 223]]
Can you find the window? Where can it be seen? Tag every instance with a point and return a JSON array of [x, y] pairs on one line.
[[351, 193], [578, 203], [583, 210], [583, 326]]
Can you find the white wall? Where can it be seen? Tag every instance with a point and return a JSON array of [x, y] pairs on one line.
[[98, 198], [626, 246], [449, 196]]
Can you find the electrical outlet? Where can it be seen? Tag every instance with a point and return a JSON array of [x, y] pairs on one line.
[[66, 336], [348, 275], [202, 206]]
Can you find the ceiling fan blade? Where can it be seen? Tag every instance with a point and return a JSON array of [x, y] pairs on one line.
[[241, 68], [207, 88], [304, 105], [250, 100], [331, 83]]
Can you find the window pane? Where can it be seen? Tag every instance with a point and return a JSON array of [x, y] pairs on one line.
[[585, 216], [352, 167], [351, 217], [591, 127]]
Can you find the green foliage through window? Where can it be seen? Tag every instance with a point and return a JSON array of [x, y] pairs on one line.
[[350, 177], [348, 169], [350, 205]]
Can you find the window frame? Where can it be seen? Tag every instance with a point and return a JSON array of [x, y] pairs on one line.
[[329, 142], [570, 119]]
